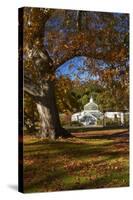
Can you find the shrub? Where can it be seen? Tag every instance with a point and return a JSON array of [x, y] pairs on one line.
[[110, 122], [65, 119], [100, 122]]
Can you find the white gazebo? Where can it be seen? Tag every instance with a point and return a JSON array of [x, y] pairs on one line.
[[90, 115]]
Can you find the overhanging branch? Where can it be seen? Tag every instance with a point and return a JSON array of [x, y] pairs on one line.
[[103, 55], [30, 88]]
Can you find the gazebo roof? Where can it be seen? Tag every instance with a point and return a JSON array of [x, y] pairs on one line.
[[91, 105]]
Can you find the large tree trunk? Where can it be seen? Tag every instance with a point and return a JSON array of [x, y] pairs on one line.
[[49, 116]]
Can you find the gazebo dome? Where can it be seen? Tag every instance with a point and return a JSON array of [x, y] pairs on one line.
[[91, 105]]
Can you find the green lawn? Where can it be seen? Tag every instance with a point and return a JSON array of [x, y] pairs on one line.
[[94, 159]]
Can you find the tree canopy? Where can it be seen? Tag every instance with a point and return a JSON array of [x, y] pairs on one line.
[[54, 36]]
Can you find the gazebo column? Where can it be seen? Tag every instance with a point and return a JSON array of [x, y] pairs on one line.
[[122, 118]]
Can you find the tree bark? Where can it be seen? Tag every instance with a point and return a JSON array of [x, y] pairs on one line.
[[49, 116]]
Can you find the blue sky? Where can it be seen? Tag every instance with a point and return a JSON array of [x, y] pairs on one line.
[[73, 69]]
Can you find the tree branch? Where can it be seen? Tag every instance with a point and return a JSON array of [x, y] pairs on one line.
[[103, 55], [75, 54], [30, 88]]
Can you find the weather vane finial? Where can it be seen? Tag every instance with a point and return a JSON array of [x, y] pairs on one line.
[[91, 99]]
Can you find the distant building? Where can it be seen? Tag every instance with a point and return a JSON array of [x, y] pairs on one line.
[[90, 115]]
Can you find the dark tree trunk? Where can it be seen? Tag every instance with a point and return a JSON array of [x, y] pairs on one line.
[[49, 116]]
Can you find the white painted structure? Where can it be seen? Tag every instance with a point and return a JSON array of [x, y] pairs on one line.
[[90, 115], [113, 115]]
